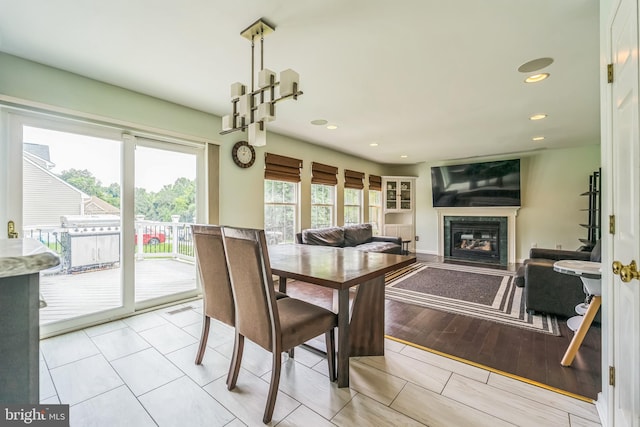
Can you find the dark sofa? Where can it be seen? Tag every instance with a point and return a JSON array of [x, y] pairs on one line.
[[548, 291], [358, 236]]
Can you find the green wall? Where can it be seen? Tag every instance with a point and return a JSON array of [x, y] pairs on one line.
[[551, 211], [551, 179], [236, 194]]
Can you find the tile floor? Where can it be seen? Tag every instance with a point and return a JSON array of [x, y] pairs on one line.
[[139, 371]]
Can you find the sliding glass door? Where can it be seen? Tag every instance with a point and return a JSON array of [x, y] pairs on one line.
[[166, 203], [115, 207]]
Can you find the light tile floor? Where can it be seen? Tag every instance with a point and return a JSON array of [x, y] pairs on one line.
[[140, 371]]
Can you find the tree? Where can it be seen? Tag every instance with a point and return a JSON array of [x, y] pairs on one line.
[[178, 198], [83, 180]]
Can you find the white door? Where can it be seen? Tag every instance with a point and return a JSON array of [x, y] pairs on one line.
[[625, 196]]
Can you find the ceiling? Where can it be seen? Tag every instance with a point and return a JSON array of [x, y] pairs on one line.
[[430, 80]]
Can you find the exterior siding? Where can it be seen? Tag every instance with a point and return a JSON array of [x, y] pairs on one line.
[[46, 197]]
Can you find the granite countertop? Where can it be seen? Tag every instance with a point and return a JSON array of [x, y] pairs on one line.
[[25, 256]]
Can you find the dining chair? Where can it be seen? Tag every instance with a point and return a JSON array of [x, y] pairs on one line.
[[276, 325], [214, 277]]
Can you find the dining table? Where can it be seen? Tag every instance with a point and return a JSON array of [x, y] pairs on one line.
[[361, 326]]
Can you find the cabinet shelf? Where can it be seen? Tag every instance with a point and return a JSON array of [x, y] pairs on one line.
[[594, 208]]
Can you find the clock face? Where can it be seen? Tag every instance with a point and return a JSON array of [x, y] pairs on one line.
[[243, 154]]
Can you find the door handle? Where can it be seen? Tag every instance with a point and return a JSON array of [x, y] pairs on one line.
[[627, 272], [11, 230]]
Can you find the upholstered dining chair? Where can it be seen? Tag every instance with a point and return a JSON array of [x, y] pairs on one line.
[[214, 277], [275, 325]]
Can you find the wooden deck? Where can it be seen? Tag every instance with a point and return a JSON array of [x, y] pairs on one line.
[[77, 294]]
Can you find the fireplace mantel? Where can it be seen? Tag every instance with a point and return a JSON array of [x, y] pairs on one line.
[[510, 213]]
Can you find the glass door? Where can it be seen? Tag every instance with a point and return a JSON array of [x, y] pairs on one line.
[[166, 204], [64, 182], [115, 208]]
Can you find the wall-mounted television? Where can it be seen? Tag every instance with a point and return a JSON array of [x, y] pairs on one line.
[[482, 184]]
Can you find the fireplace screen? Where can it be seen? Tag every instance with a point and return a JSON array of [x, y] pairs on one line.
[[475, 241]]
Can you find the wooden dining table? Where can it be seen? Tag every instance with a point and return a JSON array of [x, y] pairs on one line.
[[361, 329]]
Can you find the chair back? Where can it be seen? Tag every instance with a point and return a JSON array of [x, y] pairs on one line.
[[214, 276], [251, 281]]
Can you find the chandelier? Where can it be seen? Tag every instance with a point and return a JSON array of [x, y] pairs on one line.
[[251, 110]]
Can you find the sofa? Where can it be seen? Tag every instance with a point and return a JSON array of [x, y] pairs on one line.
[[548, 291], [358, 236]]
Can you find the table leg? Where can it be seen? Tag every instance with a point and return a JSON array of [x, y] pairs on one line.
[[579, 335], [343, 338], [367, 319], [282, 284]]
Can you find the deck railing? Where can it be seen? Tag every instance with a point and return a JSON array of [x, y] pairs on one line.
[[153, 239]]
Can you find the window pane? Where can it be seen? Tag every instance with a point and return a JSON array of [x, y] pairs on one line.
[[352, 204], [375, 210], [351, 215], [280, 211], [321, 216]]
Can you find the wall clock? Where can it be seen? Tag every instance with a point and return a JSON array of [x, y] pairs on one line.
[[243, 154]]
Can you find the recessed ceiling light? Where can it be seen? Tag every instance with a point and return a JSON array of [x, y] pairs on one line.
[[536, 78], [538, 117], [319, 122], [537, 138], [535, 65], [332, 127], [404, 156], [373, 144]]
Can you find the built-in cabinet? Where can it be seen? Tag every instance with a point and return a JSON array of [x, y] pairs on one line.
[[398, 218]]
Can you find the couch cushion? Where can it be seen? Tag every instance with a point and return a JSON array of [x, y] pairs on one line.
[[357, 234], [385, 247], [330, 236]]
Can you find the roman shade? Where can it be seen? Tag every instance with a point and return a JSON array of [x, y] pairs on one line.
[[353, 179], [375, 182], [324, 174], [282, 168]]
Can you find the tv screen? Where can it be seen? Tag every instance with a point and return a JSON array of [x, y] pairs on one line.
[[477, 184]]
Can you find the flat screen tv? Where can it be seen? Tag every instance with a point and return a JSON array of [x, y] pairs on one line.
[[477, 184]]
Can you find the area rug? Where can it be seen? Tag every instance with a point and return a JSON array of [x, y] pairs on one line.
[[484, 293]]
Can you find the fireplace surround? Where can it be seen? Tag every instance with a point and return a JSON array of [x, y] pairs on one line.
[[490, 234]]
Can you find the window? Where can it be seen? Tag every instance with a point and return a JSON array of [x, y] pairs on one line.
[[352, 204], [322, 202], [375, 210], [280, 211]]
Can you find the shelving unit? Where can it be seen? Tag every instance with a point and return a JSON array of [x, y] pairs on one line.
[[594, 210], [398, 208]]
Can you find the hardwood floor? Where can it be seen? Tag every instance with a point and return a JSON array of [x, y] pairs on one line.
[[531, 355]]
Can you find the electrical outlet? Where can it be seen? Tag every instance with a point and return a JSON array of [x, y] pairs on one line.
[[417, 238], [534, 245], [558, 246]]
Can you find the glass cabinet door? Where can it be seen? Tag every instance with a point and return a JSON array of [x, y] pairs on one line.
[[392, 195], [405, 195]]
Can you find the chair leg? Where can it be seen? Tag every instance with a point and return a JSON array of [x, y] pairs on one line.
[[234, 368], [203, 339], [273, 387], [331, 353]]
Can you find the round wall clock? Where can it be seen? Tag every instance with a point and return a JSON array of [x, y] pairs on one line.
[[243, 154]]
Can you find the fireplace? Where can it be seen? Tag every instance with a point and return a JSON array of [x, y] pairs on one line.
[[476, 238], [479, 241]]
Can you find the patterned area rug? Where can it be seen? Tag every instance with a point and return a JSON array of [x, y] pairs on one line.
[[485, 293]]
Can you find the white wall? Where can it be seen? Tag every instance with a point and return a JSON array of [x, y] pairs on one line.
[[552, 181]]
